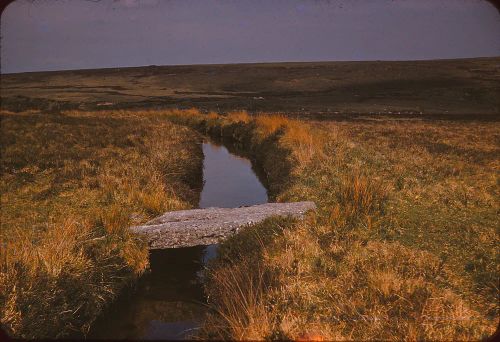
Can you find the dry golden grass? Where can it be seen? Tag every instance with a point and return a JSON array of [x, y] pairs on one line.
[[269, 124], [443, 183], [241, 290], [71, 185], [240, 116], [404, 244]]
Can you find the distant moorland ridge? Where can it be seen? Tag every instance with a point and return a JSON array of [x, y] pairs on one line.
[[461, 87]]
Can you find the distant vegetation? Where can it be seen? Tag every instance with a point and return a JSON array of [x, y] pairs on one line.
[[457, 88], [71, 185], [404, 244]]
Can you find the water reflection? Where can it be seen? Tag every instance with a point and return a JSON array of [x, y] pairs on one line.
[[168, 302], [229, 180]]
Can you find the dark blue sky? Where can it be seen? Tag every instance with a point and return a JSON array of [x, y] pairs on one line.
[[76, 34]]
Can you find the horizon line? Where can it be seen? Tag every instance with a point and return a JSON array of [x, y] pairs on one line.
[[247, 63]]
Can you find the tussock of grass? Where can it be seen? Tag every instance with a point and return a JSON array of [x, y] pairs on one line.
[[71, 185], [242, 311], [404, 244], [242, 284], [240, 116], [269, 124]]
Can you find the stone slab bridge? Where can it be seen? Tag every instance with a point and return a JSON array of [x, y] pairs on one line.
[[187, 228]]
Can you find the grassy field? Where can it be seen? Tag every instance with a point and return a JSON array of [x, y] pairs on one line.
[[404, 244], [466, 87], [71, 185]]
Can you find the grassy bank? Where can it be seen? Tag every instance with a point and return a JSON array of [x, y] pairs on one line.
[[71, 184], [403, 245]]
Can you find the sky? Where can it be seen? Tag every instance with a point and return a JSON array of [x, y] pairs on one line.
[[42, 35]]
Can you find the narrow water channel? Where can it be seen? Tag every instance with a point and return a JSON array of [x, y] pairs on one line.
[[168, 302]]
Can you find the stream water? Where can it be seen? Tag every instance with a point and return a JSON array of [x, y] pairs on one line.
[[168, 302]]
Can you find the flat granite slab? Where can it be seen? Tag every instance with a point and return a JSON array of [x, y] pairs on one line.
[[187, 228]]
